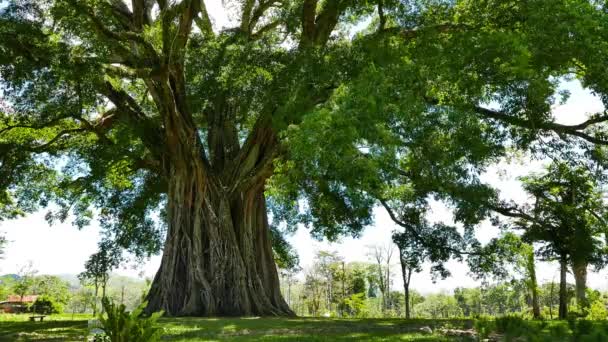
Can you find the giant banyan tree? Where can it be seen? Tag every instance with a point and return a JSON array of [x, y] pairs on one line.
[[179, 135]]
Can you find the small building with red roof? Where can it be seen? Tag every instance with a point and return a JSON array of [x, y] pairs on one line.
[[16, 303]]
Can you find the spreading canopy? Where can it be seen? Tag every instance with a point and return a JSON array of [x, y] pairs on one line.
[[349, 103]]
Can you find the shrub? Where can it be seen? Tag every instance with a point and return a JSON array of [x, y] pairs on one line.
[[589, 331], [484, 327], [123, 326], [46, 305], [355, 305], [597, 310], [558, 331], [509, 324]]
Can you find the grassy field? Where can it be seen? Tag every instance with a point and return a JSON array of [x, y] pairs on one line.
[[63, 328], [74, 328]]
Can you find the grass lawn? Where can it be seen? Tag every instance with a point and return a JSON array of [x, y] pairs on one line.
[[63, 328]]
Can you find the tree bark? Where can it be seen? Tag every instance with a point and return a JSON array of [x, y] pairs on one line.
[[218, 257], [533, 285], [95, 299], [406, 288], [563, 290], [579, 269]]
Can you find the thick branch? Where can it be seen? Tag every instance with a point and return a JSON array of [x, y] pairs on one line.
[[575, 130], [309, 14], [184, 27], [204, 22], [148, 132], [43, 147], [381, 15], [326, 21], [266, 28], [259, 12], [246, 15]]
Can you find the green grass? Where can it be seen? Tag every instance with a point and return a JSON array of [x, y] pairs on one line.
[[62, 328], [74, 328]]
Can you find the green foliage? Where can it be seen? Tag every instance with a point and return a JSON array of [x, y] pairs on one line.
[[368, 105], [512, 326], [484, 327], [120, 325], [438, 306], [284, 254], [26, 279], [355, 305], [583, 327], [53, 288], [46, 305], [567, 213], [189, 329], [597, 310]]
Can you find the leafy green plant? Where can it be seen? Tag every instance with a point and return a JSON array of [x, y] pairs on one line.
[[583, 327], [484, 327], [355, 305], [510, 323], [558, 331], [597, 310], [120, 325], [46, 305]]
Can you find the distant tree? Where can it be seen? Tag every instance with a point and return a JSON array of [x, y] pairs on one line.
[[313, 283], [357, 278], [53, 288], [81, 300], [329, 267], [504, 257], [288, 277], [126, 291], [420, 241], [26, 279], [438, 306], [469, 300], [6, 286], [98, 268], [568, 217], [382, 255], [412, 255]]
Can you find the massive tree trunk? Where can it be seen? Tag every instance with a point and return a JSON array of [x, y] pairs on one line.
[[563, 290], [579, 269], [217, 258]]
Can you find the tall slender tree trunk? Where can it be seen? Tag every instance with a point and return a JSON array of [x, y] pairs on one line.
[[95, 298], [531, 266], [563, 290], [406, 290], [551, 298], [579, 269]]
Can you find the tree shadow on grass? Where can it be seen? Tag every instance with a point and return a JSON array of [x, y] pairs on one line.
[[305, 329], [43, 331]]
